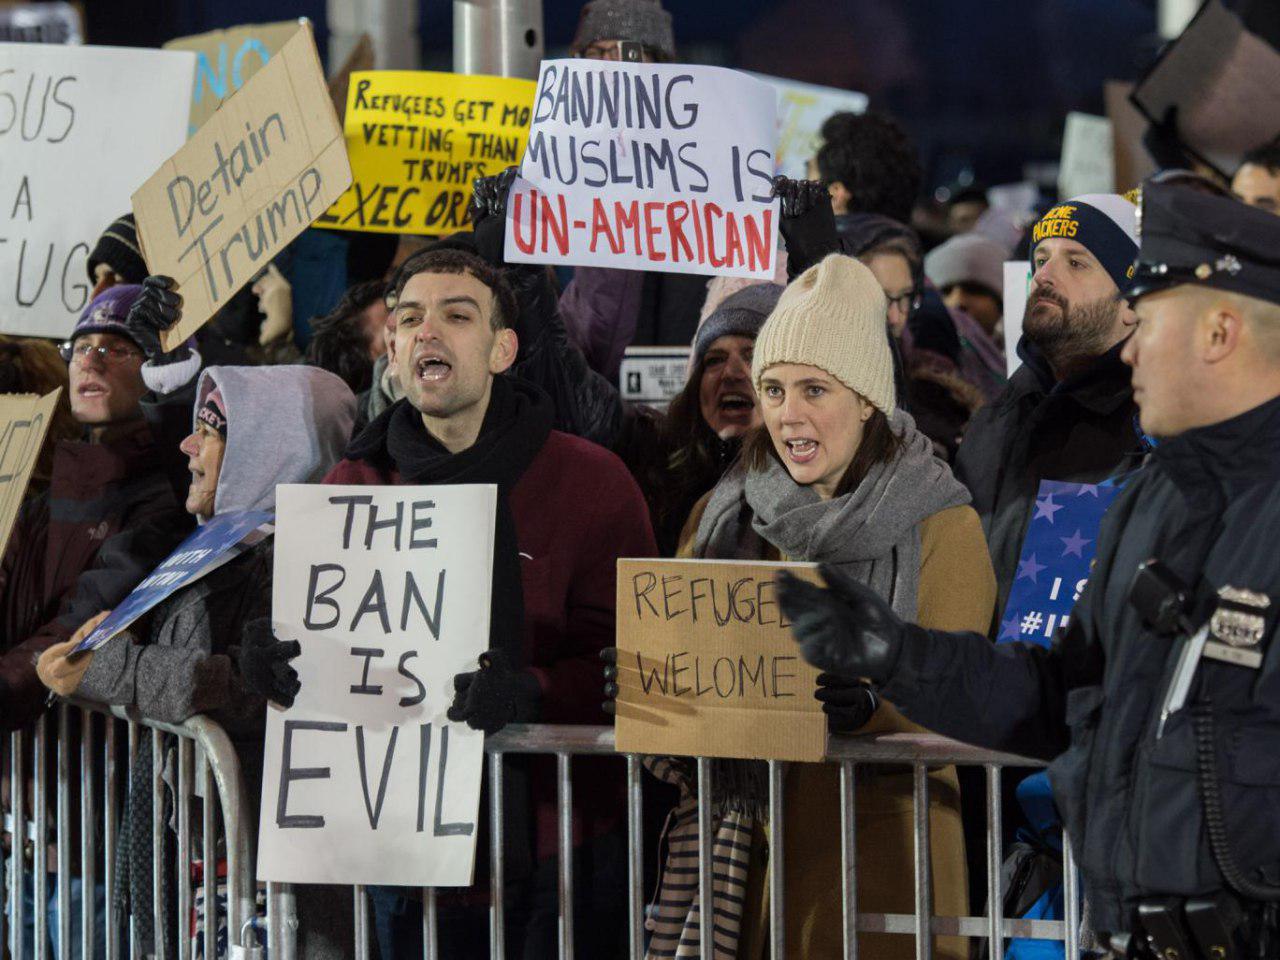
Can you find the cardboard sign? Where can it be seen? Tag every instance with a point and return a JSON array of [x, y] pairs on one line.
[[653, 375], [227, 59], [1017, 287], [219, 541], [802, 109], [387, 590], [1087, 157], [250, 180], [707, 666], [24, 421], [69, 162], [40, 23], [1057, 553], [1131, 161], [417, 142], [648, 167]]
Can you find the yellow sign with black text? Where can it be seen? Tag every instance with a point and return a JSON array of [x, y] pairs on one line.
[[418, 140]]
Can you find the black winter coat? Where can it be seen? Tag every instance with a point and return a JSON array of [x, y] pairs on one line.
[[1083, 430], [1207, 504]]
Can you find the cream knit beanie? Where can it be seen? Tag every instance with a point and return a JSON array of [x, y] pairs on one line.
[[832, 317]]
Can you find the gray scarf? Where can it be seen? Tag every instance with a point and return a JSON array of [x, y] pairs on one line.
[[872, 532]]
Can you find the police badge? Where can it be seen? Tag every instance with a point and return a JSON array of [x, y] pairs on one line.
[[1238, 626]]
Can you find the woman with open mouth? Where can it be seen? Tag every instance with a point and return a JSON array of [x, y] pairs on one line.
[[701, 433], [836, 474]]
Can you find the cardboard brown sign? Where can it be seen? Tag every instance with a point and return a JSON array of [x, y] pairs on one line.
[[24, 421], [269, 162], [227, 59], [707, 665]]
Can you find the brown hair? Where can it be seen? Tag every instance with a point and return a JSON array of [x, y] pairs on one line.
[[879, 445], [439, 259]]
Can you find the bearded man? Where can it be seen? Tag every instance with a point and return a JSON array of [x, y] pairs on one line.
[[1068, 412]]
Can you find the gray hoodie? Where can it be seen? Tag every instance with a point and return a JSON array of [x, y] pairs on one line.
[[285, 424]]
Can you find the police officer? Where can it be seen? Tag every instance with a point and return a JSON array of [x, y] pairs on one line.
[[1159, 705]]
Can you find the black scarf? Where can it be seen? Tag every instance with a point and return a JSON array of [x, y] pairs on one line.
[[515, 428]]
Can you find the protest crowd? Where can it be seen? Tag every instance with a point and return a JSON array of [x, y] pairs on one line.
[[374, 443]]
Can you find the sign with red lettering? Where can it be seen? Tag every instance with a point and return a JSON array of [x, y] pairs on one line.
[[641, 166]]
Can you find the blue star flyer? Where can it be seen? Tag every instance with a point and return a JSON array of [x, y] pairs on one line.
[[221, 539], [1057, 553]]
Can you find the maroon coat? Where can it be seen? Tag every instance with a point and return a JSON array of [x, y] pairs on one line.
[[577, 511], [108, 519]]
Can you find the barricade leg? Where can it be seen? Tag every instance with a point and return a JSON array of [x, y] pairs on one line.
[[564, 805], [40, 861], [430, 925], [635, 858], [157, 842], [282, 921], [849, 858], [497, 933], [63, 840], [777, 880], [923, 871], [360, 898], [995, 861], [184, 848], [706, 928], [1070, 900], [88, 845], [18, 880], [209, 857], [110, 827]]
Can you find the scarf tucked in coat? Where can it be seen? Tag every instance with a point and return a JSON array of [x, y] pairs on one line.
[[872, 533]]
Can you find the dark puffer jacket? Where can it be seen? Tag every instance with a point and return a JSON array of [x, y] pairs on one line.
[[1082, 430]]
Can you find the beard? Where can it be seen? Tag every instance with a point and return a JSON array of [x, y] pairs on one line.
[[1062, 330]]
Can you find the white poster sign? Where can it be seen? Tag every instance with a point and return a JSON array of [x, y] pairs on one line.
[[365, 780], [1017, 287], [664, 167], [802, 110], [653, 375], [71, 155], [1088, 161]]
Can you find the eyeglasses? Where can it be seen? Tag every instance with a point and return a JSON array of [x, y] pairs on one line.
[[614, 51], [109, 353], [907, 302]]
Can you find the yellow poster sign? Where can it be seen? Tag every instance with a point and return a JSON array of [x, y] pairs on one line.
[[418, 140]]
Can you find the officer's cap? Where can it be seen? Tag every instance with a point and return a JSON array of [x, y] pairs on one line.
[[1188, 234]]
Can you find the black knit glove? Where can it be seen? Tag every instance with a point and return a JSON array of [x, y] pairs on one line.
[[610, 657], [808, 223], [846, 629], [264, 662], [495, 695], [848, 702], [489, 213], [159, 308]]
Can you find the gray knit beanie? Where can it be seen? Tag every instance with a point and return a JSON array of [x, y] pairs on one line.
[[640, 21], [742, 315]]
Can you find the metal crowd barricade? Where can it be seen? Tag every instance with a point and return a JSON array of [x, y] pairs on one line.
[[108, 740], [207, 770], [919, 752]]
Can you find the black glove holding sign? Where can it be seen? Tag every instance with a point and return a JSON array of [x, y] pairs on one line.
[[495, 695], [808, 223], [489, 214], [846, 629], [264, 662], [158, 309]]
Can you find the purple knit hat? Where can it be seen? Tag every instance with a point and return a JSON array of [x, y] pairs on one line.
[[107, 312]]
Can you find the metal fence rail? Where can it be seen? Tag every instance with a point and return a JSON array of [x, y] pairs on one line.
[[204, 780], [88, 806]]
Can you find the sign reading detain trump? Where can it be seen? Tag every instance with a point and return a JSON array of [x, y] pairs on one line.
[[256, 175]]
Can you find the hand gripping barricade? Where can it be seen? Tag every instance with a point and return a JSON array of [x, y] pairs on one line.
[[87, 804]]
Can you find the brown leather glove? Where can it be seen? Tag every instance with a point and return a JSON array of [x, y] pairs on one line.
[[58, 669]]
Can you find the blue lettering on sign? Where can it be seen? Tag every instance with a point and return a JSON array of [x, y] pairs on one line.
[[216, 80]]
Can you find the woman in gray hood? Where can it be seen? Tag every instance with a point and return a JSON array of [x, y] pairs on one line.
[[252, 428]]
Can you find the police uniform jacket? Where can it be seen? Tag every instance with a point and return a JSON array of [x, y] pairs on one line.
[[1081, 430], [1207, 504]]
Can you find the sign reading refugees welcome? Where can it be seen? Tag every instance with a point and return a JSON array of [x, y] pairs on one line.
[[417, 142], [707, 665], [648, 167], [387, 591], [255, 176]]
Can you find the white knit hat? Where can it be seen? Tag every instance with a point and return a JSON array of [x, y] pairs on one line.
[[832, 317]]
